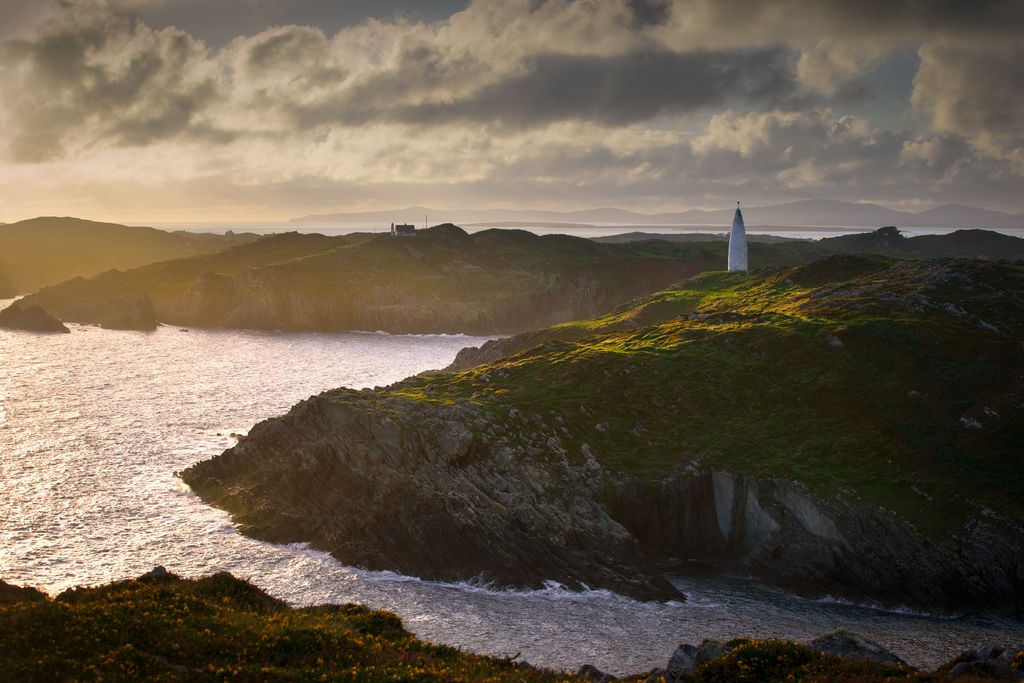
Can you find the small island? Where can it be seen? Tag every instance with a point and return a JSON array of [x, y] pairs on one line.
[[31, 318]]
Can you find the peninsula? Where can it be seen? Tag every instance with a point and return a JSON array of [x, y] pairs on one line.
[[848, 427]]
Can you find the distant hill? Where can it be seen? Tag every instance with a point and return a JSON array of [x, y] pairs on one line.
[[812, 212], [888, 241], [961, 243], [638, 236], [43, 251], [441, 280]]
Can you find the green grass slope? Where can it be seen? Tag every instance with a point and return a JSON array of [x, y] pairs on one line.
[[44, 251], [898, 382]]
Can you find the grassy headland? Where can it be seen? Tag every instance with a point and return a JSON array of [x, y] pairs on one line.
[[852, 372], [852, 426]]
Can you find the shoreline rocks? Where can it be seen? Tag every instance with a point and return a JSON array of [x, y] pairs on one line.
[[988, 662], [426, 490], [32, 318]]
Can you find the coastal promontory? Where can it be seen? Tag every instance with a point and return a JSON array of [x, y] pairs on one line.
[[850, 427]]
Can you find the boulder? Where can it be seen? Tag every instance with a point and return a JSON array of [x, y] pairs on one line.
[[31, 318], [157, 572], [846, 645], [688, 657], [988, 661], [592, 673]]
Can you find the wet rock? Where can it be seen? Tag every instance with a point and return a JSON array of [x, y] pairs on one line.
[[688, 657], [31, 318], [157, 572], [847, 645], [988, 661], [592, 673]]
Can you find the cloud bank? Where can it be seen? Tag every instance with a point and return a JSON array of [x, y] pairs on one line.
[[643, 103]]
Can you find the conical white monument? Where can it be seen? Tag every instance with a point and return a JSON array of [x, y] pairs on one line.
[[738, 244]]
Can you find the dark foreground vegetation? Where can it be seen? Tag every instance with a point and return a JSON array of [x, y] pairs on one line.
[[160, 627], [163, 628]]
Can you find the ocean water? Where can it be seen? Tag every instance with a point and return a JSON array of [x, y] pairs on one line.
[[94, 424]]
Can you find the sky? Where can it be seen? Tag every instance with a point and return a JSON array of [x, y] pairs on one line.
[[251, 110]]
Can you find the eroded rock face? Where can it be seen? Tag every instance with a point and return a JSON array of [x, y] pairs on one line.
[[30, 318], [451, 492], [779, 531], [439, 492], [988, 661]]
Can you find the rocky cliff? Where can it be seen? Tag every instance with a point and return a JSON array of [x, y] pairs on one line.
[[850, 427]]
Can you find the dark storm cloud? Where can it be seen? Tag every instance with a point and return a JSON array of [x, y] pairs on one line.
[[612, 90], [870, 17], [649, 12], [974, 90]]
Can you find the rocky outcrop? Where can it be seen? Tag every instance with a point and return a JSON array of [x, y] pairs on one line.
[[436, 491], [30, 318], [847, 645], [987, 662], [688, 657], [449, 492], [676, 429], [778, 530], [112, 312]]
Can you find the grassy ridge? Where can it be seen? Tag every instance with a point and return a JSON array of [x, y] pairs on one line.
[[442, 280], [898, 382]]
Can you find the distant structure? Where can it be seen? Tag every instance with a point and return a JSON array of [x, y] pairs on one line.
[[403, 230], [738, 243]]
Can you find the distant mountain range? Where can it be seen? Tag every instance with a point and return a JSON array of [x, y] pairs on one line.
[[808, 213]]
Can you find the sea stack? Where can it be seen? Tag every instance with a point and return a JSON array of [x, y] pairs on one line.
[[738, 243]]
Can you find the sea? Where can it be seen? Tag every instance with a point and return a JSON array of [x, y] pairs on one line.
[[94, 425]]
